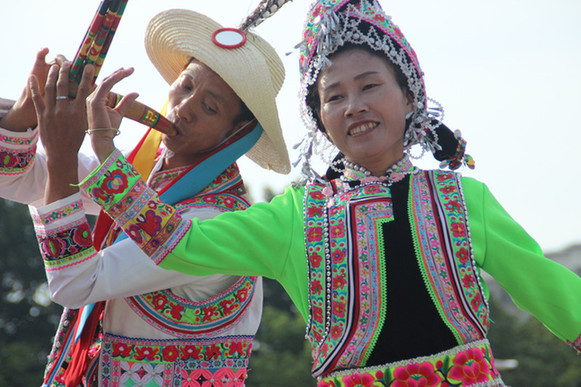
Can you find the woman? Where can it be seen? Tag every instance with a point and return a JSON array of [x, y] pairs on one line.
[[382, 259]]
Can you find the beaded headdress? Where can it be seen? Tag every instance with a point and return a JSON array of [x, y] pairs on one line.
[[332, 24]]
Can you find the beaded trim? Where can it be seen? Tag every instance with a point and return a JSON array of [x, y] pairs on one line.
[[441, 236], [345, 255], [330, 25]]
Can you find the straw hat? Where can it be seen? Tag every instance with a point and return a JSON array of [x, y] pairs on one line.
[[254, 71]]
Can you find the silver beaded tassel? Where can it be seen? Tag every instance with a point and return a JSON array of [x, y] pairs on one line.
[[263, 11]]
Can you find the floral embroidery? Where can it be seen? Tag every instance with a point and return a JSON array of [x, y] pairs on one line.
[[58, 213], [467, 365], [64, 246], [332, 254], [213, 362], [15, 163], [181, 317], [450, 273]]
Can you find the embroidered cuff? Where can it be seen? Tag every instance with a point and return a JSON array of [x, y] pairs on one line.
[[576, 344], [63, 233], [118, 188], [17, 150]]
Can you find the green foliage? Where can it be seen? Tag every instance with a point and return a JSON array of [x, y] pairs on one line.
[[543, 359], [281, 355], [27, 317]]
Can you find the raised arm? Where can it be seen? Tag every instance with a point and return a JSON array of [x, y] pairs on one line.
[[536, 284]]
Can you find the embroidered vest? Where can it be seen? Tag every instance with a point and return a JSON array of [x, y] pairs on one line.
[[346, 264], [201, 353]]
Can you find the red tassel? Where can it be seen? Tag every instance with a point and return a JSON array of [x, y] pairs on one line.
[[79, 352]]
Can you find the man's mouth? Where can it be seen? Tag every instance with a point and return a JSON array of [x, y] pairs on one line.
[[362, 128]]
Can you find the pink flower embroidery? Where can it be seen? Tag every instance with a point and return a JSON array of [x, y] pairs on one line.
[[336, 332], [338, 231], [315, 260], [316, 287], [339, 281], [458, 229], [315, 234], [338, 255], [82, 236], [121, 349], [150, 222], [159, 301], [242, 294], [115, 182], [176, 311], [416, 375], [314, 212], [228, 306], [470, 367], [190, 351], [213, 352], [317, 314], [339, 309], [462, 255], [356, 380], [145, 353], [210, 312], [170, 353]]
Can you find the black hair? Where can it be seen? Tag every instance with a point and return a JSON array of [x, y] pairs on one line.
[[314, 102], [244, 115]]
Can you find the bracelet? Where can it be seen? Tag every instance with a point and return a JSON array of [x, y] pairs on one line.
[[90, 131]]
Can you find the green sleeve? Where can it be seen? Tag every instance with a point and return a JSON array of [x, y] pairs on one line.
[[265, 239], [536, 284]]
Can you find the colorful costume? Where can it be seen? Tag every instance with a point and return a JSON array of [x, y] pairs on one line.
[[158, 325], [373, 311]]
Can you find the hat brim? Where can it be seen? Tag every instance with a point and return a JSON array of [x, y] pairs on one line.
[[254, 71]]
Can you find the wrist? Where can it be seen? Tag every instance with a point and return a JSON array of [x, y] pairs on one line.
[[102, 141]]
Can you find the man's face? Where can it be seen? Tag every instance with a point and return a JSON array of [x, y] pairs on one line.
[[202, 107]]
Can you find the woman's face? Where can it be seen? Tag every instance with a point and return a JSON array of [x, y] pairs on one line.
[[363, 109], [203, 108]]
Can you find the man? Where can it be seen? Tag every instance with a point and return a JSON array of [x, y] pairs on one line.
[[158, 326]]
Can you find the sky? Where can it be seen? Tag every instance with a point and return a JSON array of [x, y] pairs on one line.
[[506, 72]]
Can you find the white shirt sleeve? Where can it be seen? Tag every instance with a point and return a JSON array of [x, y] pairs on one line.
[[28, 185], [119, 271]]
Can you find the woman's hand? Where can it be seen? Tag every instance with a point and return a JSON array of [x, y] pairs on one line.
[[62, 124], [22, 115], [104, 121]]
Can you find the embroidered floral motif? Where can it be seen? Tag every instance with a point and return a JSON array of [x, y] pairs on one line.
[[331, 301], [58, 213], [179, 317], [17, 141], [65, 246], [467, 365], [14, 162], [447, 268], [213, 362]]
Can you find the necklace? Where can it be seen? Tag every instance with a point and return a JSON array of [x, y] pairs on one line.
[[393, 174]]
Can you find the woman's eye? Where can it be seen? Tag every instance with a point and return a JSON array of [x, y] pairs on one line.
[[334, 98], [370, 86]]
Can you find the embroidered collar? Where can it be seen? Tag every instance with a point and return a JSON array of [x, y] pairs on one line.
[[356, 174]]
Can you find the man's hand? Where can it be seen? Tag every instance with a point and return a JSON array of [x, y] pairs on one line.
[[22, 115], [62, 125]]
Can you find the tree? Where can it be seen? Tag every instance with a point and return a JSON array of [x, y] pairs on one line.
[[28, 318]]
